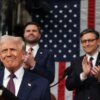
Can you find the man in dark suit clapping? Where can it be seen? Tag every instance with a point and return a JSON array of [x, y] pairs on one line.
[[40, 60], [85, 76]]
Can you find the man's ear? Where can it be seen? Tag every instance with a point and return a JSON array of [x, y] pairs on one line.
[[39, 35], [0, 58]]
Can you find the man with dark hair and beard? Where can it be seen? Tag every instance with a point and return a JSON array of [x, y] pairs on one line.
[[38, 60]]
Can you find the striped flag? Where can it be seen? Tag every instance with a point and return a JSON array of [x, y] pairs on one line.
[[62, 21], [59, 92]]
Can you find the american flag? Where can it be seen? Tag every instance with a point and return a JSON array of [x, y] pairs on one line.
[[61, 28], [62, 21]]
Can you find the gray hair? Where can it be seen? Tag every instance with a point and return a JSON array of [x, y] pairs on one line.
[[18, 40]]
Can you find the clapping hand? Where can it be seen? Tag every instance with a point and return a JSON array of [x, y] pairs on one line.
[[86, 66], [96, 72]]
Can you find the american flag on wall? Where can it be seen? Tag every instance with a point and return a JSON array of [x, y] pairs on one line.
[[62, 21]]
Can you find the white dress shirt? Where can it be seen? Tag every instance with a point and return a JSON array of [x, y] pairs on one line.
[[94, 58], [17, 81], [34, 52], [35, 49], [93, 61]]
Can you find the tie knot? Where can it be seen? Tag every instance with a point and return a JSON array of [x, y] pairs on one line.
[[12, 75], [91, 58], [30, 50]]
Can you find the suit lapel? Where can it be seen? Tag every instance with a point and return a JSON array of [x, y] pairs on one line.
[[1, 77], [39, 53], [98, 60], [25, 87], [80, 63]]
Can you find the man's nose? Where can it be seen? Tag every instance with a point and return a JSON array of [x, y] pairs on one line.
[[87, 42], [8, 52]]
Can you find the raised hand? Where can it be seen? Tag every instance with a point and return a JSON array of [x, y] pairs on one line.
[[86, 66], [29, 61], [96, 72]]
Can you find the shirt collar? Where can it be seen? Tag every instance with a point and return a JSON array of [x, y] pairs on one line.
[[19, 73], [35, 47], [6, 73], [94, 56]]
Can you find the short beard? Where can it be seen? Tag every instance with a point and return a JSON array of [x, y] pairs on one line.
[[31, 41]]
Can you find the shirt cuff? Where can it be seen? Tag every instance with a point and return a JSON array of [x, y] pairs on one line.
[[82, 77]]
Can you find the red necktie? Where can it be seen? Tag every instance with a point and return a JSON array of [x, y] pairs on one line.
[[91, 64], [11, 85], [91, 59], [30, 50]]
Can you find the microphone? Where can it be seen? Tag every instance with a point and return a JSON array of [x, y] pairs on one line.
[[67, 72], [5, 94]]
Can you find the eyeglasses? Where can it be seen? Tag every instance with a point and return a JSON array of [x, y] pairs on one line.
[[89, 40]]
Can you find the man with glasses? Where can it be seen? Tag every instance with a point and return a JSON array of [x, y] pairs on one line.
[[85, 76]]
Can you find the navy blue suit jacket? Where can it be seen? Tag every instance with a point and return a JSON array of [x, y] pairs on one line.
[[88, 89], [33, 87], [45, 64]]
